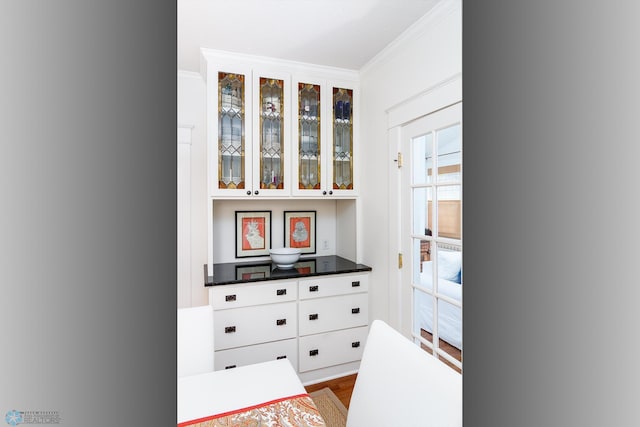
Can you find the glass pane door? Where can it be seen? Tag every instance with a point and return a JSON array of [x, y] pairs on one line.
[[342, 139], [309, 137], [271, 133], [433, 182], [231, 141]]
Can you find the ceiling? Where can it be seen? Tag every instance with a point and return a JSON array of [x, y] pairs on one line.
[[339, 33]]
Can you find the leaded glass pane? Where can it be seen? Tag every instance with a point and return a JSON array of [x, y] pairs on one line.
[[271, 133], [309, 136], [342, 139], [231, 153]]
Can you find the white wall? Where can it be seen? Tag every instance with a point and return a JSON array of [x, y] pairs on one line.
[[191, 111], [427, 54]]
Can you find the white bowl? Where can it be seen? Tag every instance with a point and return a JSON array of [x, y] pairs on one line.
[[285, 257]]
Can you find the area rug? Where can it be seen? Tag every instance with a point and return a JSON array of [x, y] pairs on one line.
[[330, 407]]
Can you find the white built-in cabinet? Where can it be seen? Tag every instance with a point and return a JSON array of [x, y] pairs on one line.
[[266, 135], [283, 135], [319, 323]]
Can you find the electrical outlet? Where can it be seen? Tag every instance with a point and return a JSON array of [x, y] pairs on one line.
[[325, 245]]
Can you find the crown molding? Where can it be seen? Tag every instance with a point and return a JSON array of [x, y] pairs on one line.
[[425, 24]]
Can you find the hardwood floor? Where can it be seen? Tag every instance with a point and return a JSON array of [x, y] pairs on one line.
[[342, 387], [448, 348]]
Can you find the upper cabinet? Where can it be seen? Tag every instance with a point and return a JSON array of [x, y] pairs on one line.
[[279, 129], [228, 128], [324, 147], [271, 133]]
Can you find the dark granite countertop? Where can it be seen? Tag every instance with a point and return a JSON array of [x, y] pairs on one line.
[[244, 272]]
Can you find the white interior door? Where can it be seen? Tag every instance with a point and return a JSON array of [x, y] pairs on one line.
[[431, 232]]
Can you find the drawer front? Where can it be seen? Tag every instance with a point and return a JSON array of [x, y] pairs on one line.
[[235, 296], [334, 285], [242, 356], [333, 348], [328, 314], [254, 325]]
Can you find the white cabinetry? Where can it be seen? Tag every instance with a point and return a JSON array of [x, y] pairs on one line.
[[324, 137], [254, 323], [258, 125], [320, 324]]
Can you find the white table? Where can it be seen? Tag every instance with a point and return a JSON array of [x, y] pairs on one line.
[[218, 392]]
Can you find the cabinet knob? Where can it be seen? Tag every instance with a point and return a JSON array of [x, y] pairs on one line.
[[229, 329], [281, 322], [281, 357], [355, 344], [324, 193], [313, 316], [248, 192], [230, 367], [229, 298], [313, 288], [355, 310], [330, 192], [313, 353], [256, 192], [355, 284], [281, 292]]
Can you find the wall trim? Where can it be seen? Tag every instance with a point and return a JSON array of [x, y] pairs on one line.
[[184, 278], [184, 134], [441, 95], [223, 57], [189, 74]]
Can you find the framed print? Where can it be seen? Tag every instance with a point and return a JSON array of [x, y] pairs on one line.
[[253, 233], [300, 230]]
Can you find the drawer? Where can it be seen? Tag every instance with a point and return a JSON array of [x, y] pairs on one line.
[[328, 314], [333, 348], [334, 285], [254, 325], [242, 356], [234, 296]]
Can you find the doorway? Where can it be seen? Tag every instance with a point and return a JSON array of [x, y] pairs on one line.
[[430, 230]]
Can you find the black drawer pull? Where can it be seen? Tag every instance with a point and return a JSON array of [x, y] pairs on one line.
[[230, 298], [281, 357], [229, 329], [281, 292], [313, 353], [313, 288], [355, 284], [313, 316], [355, 310], [281, 322], [355, 344], [230, 367]]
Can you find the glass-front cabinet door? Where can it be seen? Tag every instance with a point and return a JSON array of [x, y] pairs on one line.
[[309, 160], [271, 137], [249, 128], [229, 130], [324, 156], [342, 131]]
